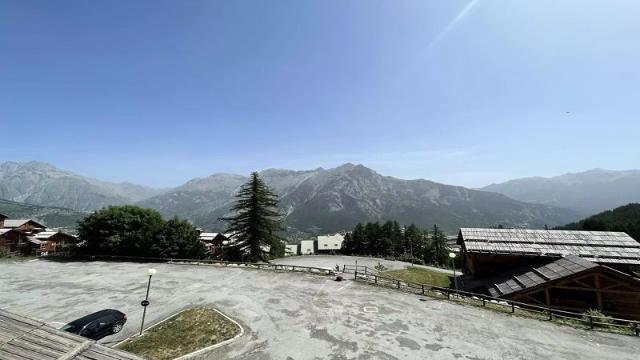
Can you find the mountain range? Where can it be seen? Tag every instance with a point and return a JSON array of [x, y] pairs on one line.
[[586, 192], [314, 201]]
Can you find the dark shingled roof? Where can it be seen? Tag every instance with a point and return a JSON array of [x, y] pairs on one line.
[[26, 339], [532, 277], [599, 246]]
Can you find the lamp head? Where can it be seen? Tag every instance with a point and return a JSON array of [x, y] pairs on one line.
[[151, 272], [452, 255]]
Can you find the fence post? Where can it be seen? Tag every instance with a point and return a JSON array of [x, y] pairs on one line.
[[550, 315], [590, 322], [484, 302], [513, 308], [355, 274], [422, 289], [398, 284], [375, 278], [365, 271], [344, 267], [448, 295], [635, 325]]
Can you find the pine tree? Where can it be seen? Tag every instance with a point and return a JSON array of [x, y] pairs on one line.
[[257, 222], [439, 244]]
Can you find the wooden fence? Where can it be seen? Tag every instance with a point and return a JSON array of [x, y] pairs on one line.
[[371, 276], [246, 265]]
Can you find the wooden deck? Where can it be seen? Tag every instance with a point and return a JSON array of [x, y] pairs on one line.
[[22, 338]]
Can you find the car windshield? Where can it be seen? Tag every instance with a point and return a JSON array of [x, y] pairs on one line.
[[70, 328]]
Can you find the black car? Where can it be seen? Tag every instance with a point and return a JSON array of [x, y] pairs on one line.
[[97, 325]]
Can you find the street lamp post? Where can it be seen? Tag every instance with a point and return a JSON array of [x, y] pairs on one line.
[[453, 265], [145, 302]]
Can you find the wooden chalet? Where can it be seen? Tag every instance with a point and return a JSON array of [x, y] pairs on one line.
[[22, 338], [24, 225], [488, 252], [16, 242], [566, 270], [571, 283], [53, 242], [214, 242]]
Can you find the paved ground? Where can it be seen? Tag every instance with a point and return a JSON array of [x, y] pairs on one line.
[[330, 261], [298, 316]]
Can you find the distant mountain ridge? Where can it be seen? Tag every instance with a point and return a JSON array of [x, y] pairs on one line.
[[314, 201], [587, 192], [44, 184], [327, 200]]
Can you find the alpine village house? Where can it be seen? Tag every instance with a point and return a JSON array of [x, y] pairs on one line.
[[27, 237]]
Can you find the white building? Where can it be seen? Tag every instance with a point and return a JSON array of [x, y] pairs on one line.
[[307, 247], [330, 242], [291, 250]]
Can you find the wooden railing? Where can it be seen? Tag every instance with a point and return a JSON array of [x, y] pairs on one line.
[[371, 276], [246, 265]]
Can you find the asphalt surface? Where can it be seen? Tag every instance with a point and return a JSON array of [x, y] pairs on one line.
[[297, 316]]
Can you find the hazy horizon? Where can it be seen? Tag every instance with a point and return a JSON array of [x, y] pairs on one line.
[[460, 92], [444, 181]]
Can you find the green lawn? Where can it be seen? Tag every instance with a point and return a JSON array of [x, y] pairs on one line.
[[420, 276], [186, 332]]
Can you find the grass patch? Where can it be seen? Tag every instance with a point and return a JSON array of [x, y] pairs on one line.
[[420, 276], [186, 332]]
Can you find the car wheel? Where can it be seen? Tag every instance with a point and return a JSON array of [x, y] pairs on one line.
[[116, 327]]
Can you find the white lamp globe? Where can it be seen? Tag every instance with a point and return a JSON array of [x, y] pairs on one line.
[[151, 272]]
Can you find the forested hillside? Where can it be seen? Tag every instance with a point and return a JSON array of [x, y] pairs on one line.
[[624, 218]]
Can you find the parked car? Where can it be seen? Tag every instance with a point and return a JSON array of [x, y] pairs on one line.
[[97, 325]]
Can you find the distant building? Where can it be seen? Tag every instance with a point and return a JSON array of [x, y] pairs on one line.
[[328, 243], [24, 225], [29, 237], [291, 250], [52, 242], [214, 242], [15, 242], [307, 247]]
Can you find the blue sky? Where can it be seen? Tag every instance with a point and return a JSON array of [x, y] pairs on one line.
[[461, 92]]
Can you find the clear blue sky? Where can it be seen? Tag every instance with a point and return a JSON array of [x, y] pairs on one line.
[[461, 92]]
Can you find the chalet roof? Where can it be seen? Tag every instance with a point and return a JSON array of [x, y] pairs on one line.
[[35, 240], [14, 223], [44, 235], [599, 246], [27, 339], [525, 278], [3, 216]]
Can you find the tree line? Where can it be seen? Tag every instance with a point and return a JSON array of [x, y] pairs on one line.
[[256, 225], [391, 240]]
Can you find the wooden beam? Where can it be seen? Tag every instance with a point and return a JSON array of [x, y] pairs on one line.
[[596, 279]]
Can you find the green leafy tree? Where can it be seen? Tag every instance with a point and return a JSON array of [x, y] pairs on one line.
[[179, 239], [257, 222], [121, 230], [135, 231]]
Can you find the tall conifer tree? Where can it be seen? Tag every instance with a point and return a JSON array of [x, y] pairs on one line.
[[256, 223]]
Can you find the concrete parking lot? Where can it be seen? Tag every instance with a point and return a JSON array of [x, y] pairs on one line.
[[297, 316]]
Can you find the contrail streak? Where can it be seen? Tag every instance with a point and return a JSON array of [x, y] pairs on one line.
[[451, 25]]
